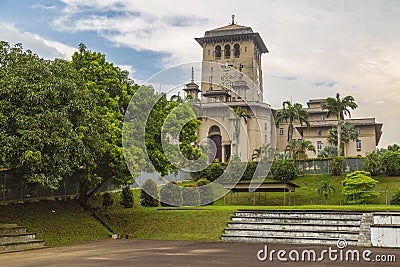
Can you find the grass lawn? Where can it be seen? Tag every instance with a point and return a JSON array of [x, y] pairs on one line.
[[65, 222], [56, 222]]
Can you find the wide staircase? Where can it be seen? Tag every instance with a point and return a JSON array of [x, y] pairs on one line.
[[295, 227], [16, 238]]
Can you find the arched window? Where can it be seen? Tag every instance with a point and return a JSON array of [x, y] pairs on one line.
[[218, 52], [227, 51], [236, 49], [214, 130]]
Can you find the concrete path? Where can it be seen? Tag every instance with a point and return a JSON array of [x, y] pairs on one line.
[[134, 252]]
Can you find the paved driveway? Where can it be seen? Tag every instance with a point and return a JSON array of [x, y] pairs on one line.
[[134, 252]]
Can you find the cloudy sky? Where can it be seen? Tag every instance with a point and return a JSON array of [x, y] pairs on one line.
[[317, 48]]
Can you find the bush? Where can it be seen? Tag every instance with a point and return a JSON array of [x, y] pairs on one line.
[[391, 163], [250, 169], [127, 197], [205, 191], [284, 170], [372, 163], [396, 198], [170, 195], [337, 165], [211, 173], [357, 187], [108, 200], [149, 189], [190, 195]]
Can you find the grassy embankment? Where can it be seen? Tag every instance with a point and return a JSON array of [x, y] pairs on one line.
[[62, 223]]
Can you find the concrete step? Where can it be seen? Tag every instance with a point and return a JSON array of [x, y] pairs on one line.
[[292, 233], [293, 226], [12, 229], [303, 215], [286, 240], [21, 246], [297, 220], [13, 238]]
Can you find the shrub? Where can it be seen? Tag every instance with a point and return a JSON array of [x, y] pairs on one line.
[[391, 163], [211, 173], [284, 170], [127, 197], [149, 189], [170, 195], [190, 195], [396, 198], [250, 169], [337, 165], [357, 187], [108, 200], [372, 163], [205, 191]]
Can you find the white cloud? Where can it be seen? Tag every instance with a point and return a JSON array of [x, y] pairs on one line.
[[353, 43], [45, 48]]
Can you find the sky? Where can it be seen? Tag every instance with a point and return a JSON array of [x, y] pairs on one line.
[[316, 47]]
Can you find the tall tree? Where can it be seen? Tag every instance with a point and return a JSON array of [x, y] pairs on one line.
[[339, 107], [45, 114], [291, 113], [348, 132], [241, 113], [326, 190], [112, 90]]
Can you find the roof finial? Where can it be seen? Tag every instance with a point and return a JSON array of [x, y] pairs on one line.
[[233, 19], [192, 75]]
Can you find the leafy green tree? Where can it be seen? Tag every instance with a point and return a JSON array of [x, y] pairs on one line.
[[337, 165], [358, 187], [396, 198], [127, 197], [149, 194], [46, 116], [171, 195], [373, 163], [339, 107], [348, 132], [284, 170], [394, 148], [291, 113], [391, 163], [326, 190], [190, 195], [112, 90]]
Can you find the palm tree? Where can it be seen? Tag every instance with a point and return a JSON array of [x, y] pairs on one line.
[[292, 148], [263, 153], [348, 132], [340, 107], [289, 113], [328, 151], [303, 147], [241, 113], [326, 190]]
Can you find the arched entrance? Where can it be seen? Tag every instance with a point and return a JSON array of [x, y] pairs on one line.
[[215, 134]]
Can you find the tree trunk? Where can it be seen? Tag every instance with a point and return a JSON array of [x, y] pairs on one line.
[[290, 132], [339, 140]]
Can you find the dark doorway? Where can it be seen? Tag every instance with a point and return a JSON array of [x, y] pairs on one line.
[[217, 140], [227, 152]]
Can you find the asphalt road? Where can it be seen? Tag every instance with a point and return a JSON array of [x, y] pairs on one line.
[[134, 252]]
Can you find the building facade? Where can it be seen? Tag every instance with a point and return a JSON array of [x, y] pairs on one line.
[[234, 115], [369, 132]]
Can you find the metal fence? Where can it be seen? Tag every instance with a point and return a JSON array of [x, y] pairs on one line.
[[322, 166]]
